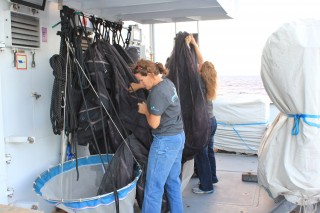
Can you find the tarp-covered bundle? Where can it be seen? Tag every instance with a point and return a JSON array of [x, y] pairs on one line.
[[242, 123], [183, 73], [289, 153]]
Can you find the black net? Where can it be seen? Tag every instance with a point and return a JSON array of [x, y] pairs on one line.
[[122, 163], [183, 73], [123, 120], [99, 109]]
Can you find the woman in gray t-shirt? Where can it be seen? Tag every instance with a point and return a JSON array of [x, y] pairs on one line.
[[163, 113]]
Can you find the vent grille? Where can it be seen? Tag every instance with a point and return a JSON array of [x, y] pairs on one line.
[[25, 30]]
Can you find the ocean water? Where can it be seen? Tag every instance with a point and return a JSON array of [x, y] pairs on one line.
[[241, 85]]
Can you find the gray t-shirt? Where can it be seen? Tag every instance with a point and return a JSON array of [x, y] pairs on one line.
[[163, 100], [209, 103]]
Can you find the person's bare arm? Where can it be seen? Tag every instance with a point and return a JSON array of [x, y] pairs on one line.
[[197, 50], [190, 40], [135, 86], [153, 120]]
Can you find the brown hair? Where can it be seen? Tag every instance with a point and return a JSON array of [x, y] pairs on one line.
[[209, 76], [144, 67]]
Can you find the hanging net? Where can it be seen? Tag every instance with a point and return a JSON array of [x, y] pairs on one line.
[[183, 73]]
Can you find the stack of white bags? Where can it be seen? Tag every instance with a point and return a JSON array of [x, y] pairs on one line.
[[242, 123]]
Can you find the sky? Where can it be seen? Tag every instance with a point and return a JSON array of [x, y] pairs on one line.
[[235, 46]]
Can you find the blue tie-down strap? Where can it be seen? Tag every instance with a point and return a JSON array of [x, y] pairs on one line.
[[297, 117], [245, 124]]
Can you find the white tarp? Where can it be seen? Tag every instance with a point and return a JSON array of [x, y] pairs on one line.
[[290, 151], [242, 122]]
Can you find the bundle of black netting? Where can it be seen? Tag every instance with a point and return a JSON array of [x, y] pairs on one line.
[[122, 163], [138, 133], [111, 77], [183, 73], [120, 171], [126, 103], [110, 117]]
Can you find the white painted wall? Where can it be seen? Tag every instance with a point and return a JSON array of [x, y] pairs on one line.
[[3, 173], [21, 115]]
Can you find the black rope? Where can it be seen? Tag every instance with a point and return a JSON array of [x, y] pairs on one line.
[[127, 42], [108, 29], [58, 65], [56, 107]]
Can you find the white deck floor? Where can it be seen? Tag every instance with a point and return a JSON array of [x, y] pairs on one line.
[[231, 194]]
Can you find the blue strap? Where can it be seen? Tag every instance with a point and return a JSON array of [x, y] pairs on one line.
[[295, 128], [242, 138]]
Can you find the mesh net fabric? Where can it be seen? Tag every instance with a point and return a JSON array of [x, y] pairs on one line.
[[122, 105], [183, 73], [60, 186], [71, 188], [110, 65]]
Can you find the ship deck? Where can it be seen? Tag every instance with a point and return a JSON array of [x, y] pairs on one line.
[[231, 194]]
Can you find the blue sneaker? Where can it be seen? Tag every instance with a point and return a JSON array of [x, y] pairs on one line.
[[197, 190]]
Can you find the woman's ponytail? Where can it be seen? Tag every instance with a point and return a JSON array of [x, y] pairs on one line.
[[162, 69]]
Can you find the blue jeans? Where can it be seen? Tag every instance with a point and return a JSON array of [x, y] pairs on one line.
[[206, 163], [164, 167]]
